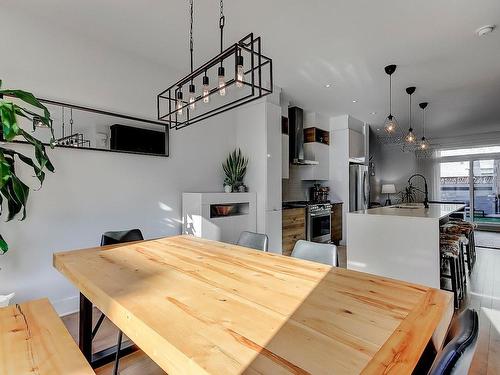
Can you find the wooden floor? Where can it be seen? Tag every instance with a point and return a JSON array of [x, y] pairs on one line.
[[484, 296]]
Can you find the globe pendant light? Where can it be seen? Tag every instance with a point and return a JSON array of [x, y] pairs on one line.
[[424, 143], [391, 124], [410, 137]]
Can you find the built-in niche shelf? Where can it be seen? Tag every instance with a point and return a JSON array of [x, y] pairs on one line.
[[218, 216], [228, 210], [316, 135]]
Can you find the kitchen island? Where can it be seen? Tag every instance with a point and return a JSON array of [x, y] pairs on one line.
[[400, 242]]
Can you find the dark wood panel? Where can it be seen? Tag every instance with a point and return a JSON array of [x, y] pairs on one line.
[[316, 135], [336, 223], [294, 228]]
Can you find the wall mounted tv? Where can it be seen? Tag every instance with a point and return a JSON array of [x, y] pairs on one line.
[[132, 139]]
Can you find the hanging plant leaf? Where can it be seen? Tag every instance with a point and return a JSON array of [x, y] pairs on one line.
[[3, 245], [13, 191]]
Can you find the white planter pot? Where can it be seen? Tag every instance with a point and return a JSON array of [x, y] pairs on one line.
[[228, 188], [4, 300]]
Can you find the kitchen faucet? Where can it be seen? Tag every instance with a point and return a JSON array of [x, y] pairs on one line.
[[426, 192]]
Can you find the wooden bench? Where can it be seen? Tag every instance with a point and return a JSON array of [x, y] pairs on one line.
[[34, 340]]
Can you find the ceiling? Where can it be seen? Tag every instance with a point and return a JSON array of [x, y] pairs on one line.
[[344, 43]]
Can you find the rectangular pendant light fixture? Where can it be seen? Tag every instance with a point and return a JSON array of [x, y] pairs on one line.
[[243, 83]]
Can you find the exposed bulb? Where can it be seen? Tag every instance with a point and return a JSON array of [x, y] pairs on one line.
[[390, 125], [222, 82], [240, 72], [410, 137], [424, 144], [192, 97], [180, 103], [206, 90]]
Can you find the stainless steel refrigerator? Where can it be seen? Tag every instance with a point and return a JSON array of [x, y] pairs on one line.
[[359, 187]]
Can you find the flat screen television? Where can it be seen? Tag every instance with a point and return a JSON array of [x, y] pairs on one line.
[[129, 138]]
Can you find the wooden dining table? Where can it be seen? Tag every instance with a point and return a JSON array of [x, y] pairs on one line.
[[196, 306]]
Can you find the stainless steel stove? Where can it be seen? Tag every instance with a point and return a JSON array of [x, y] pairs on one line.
[[318, 222]]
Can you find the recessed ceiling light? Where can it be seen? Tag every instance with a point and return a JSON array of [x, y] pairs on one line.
[[328, 85], [354, 101], [374, 113], [485, 30]]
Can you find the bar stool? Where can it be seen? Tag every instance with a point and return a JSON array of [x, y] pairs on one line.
[[461, 241], [471, 248], [464, 228], [450, 253]]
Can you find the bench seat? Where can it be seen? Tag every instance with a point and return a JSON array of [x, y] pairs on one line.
[[34, 340]]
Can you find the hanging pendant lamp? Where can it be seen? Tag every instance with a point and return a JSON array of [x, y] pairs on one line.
[[424, 143], [241, 65], [410, 137], [391, 125]]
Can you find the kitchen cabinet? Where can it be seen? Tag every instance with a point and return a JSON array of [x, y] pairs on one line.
[[258, 135], [319, 152], [336, 223], [356, 145], [294, 228], [274, 230], [285, 156]]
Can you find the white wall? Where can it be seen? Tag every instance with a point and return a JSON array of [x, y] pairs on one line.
[[92, 191]]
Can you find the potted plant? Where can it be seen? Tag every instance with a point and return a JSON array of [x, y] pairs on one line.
[[235, 168], [409, 194], [14, 192]]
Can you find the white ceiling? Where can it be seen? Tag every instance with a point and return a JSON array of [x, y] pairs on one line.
[[314, 42]]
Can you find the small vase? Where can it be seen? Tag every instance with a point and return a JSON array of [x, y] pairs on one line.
[[242, 189], [228, 188]]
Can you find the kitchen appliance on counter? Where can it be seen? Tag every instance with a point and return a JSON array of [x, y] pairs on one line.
[[318, 222], [320, 194], [359, 187]]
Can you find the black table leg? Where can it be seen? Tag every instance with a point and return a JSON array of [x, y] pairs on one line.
[[85, 328]]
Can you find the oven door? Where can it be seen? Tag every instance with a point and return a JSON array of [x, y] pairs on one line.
[[319, 227]]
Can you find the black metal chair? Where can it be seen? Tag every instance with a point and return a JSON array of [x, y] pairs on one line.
[[113, 238], [460, 345]]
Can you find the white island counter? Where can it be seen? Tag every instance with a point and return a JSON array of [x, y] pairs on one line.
[[398, 241]]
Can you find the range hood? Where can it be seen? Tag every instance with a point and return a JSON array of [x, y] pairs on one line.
[[296, 131]]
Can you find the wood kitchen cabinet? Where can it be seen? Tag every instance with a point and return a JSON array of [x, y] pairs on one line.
[[294, 228], [336, 223]]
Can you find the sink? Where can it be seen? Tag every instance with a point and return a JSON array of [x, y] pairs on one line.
[[409, 205]]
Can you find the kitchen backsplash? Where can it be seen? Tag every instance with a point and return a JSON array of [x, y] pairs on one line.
[[295, 189]]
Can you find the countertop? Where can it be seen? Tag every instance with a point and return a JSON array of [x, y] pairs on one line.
[[435, 210]]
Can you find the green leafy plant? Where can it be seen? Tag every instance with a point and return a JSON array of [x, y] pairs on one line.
[[409, 195], [235, 168], [14, 192]]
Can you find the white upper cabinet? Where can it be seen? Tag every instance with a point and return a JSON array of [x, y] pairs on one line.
[[356, 145], [316, 147], [285, 156]]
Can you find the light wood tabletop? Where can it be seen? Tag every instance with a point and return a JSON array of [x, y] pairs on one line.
[[197, 306]]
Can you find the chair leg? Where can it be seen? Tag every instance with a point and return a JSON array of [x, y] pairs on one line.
[[118, 348], [454, 286], [98, 325]]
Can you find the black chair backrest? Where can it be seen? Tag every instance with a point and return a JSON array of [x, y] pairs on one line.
[[460, 345], [112, 238]]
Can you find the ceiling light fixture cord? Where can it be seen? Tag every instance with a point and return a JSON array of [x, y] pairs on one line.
[[390, 95], [191, 44], [222, 21]]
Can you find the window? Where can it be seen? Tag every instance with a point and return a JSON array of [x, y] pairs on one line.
[[470, 151]]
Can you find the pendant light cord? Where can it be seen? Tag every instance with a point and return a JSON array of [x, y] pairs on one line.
[[390, 95], [423, 122], [222, 21], [191, 44], [410, 112]]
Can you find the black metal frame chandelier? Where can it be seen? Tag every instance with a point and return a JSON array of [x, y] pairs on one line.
[[251, 79]]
